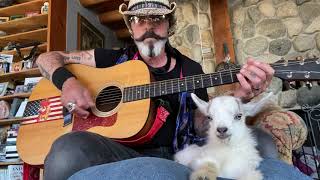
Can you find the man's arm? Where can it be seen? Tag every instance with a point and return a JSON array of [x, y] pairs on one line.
[[51, 67], [51, 61]]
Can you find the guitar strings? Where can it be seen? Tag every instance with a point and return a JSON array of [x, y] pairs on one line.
[[114, 99], [279, 72], [218, 74], [189, 79], [222, 73]]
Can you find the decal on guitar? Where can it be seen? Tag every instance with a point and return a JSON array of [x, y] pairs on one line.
[[80, 124], [43, 110]]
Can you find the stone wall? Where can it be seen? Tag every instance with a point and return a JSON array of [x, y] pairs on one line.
[[270, 29], [193, 35]]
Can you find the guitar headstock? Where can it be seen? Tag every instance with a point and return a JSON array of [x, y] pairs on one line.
[[298, 70]]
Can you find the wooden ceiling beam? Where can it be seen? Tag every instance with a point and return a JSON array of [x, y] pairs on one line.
[[88, 3], [110, 17], [123, 33]]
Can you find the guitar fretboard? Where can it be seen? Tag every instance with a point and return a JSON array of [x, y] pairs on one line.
[[177, 85]]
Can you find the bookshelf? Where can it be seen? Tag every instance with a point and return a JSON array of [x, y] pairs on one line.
[[33, 22], [20, 75], [19, 95], [10, 121], [42, 48], [11, 163], [22, 8], [47, 29], [39, 35]]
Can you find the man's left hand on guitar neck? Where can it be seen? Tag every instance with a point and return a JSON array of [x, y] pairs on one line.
[[254, 78]]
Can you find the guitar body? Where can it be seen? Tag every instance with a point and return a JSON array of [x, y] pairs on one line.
[[126, 121]]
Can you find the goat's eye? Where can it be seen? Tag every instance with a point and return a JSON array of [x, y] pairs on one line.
[[238, 116], [209, 118]]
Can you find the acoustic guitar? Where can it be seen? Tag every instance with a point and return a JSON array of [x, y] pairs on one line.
[[123, 109]]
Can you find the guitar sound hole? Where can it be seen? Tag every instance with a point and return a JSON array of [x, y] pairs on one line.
[[108, 99]]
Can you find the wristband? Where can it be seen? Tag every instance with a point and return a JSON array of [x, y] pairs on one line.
[[60, 75]]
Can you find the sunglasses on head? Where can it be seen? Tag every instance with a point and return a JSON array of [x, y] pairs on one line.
[[143, 19]]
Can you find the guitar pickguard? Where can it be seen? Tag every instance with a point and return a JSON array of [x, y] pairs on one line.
[[80, 124]]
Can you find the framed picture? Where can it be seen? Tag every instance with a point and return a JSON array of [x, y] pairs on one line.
[[16, 67], [3, 88], [89, 37], [4, 19], [16, 17], [19, 89]]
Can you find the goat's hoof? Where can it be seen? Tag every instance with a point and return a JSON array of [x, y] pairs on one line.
[[202, 174]]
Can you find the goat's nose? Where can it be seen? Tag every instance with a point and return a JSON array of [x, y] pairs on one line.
[[222, 130]]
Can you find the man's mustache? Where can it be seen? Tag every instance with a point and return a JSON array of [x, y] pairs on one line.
[[150, 34]]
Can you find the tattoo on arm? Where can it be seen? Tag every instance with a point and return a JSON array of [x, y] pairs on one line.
[[77, 57], [44, 73]]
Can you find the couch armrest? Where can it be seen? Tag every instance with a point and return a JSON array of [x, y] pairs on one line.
[[286, 128]]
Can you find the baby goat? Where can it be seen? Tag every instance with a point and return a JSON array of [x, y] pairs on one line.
[[230, 149]]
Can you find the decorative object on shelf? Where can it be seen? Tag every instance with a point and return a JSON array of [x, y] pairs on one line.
[[19, 89], [14, 106], [16, 67], [28, 63], [45, 8], [2, 33], [27, 60], [10, 46], [32, 13], [4, 109], [28, 88], [5, 62], [4, 19], [89, 37], [5, 3], [3, 88], [18, 16], [15, 172], [21, 109]]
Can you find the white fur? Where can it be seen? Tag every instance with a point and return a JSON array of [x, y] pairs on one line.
[[234, 157]]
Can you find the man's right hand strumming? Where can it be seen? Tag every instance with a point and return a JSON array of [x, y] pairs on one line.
[[74, 93], [75, 97]]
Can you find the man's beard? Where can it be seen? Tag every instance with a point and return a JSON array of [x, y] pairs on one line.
[[151, 49]]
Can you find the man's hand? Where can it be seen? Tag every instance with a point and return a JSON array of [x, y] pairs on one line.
[[254, 78], [74, 92]]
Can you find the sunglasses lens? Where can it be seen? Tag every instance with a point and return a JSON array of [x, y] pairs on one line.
[[143, 19]]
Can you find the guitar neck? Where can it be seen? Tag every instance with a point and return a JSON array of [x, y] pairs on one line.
[[290, 70], [177, 85]]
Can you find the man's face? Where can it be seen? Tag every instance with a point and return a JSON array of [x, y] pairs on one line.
[[150, 34]]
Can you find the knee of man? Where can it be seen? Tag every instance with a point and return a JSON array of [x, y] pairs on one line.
[[67, 149], [266, 145]]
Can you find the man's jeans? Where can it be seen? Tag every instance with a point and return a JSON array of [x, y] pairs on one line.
[[148, 168], [75, 151]]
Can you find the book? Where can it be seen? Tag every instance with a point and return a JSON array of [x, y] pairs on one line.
[[21, 109], [16, 102], [15, 172]]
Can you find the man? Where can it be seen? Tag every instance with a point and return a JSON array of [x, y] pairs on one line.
[[150, 24]]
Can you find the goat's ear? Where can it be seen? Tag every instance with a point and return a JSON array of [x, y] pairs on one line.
[[253, 108], [201, 104]]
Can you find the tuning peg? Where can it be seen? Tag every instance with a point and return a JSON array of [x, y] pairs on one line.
[[318, 60], [285, 62], [292, 85], [314, 83], [309, 85], [301, 59]]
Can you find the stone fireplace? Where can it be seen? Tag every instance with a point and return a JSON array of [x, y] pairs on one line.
[[267, 30]]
